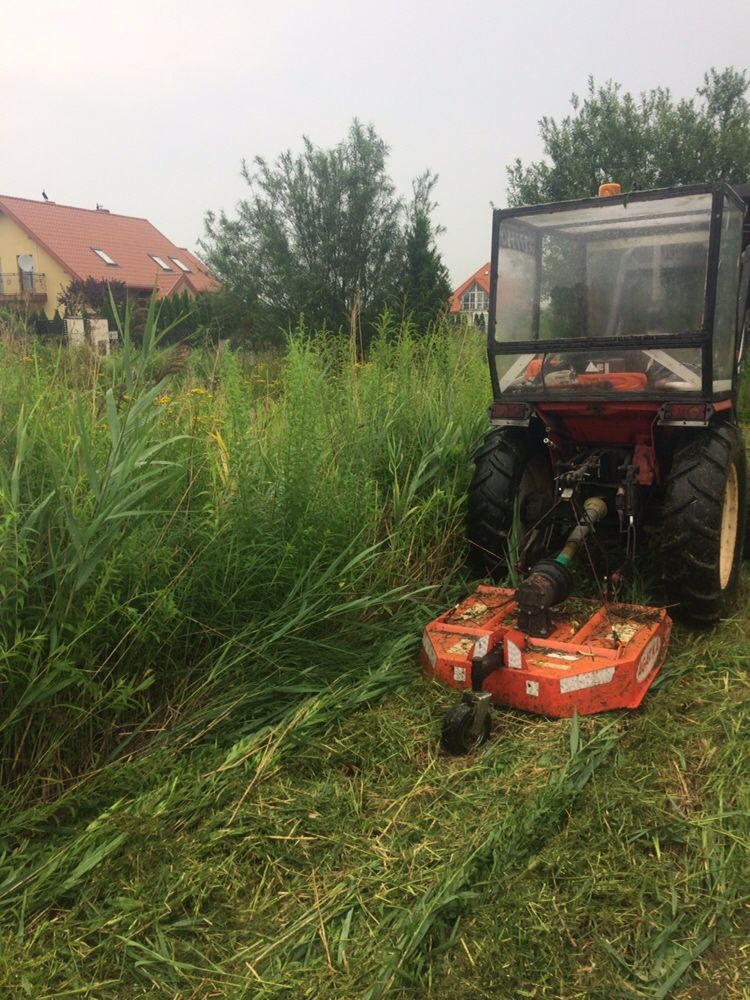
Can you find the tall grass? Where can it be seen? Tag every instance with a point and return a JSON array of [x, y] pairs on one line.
[[192, 535]]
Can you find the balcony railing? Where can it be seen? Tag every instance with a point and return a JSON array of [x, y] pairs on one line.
[[23, 286]]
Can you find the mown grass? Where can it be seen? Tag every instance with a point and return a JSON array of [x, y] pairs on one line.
[[339, 854], [648, 879], [269, 816]]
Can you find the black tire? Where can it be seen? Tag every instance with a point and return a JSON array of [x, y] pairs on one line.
[[456, 737], [704, 525], [510, 464]]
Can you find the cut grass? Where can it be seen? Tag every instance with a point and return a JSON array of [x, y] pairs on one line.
[[340, 855], [363, 827], [649, 875]]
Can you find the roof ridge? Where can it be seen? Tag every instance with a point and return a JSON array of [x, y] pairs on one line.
[[76, 208], [69, 239], [486, 268]]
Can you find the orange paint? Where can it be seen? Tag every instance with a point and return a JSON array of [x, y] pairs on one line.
[[596, 659]]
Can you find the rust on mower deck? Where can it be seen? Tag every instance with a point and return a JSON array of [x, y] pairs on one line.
[[596, 658]]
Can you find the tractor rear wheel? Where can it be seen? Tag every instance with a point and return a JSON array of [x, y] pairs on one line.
[[511, 487], [704, 525]]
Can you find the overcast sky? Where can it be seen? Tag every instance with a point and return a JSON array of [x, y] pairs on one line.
[[149, 107]]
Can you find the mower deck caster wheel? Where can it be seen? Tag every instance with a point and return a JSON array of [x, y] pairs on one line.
[[467, 725]]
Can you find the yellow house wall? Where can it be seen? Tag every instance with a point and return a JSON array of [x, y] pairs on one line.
[[13, 243]]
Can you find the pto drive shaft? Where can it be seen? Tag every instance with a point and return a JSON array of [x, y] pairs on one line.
[[550, 582]]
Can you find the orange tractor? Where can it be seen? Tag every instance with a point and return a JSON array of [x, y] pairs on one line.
[[615, 341]]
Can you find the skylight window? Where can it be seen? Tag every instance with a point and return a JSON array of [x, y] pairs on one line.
[[162, 263], [105, 257], [183, 267]]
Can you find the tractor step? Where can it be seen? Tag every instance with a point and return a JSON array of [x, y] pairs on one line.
[[597, 657]]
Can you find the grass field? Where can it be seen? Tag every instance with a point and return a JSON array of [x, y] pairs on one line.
[[219, 758]]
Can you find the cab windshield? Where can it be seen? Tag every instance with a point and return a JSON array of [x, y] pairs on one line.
[[610, 270]]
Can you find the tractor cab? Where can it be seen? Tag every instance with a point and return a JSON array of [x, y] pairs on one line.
[[622, 297]]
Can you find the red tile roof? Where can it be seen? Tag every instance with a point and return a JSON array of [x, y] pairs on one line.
[[481, 277], [69, 235]]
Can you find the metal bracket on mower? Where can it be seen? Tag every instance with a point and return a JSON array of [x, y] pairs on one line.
[[467, 724], [481, 700]]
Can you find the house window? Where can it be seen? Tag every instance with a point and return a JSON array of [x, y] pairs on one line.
[[475, 300], [105, 257], [183, 267], [162, 263]]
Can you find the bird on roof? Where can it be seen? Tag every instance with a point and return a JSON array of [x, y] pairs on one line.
[[44, 195]]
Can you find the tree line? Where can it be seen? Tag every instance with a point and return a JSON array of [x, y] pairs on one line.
[[324, 235]]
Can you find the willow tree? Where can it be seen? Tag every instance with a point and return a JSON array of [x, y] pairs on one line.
[[324, 234], [649, 141]]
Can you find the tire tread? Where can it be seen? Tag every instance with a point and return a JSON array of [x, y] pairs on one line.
[[499, 465], [691, 538]]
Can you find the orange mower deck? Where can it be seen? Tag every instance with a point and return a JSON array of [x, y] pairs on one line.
[[597, 657]]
